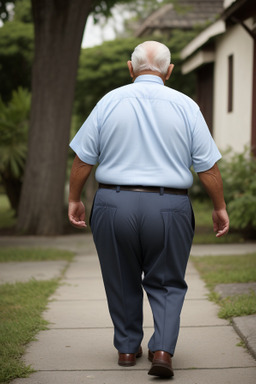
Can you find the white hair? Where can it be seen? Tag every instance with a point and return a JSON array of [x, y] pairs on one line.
[[151, 55]]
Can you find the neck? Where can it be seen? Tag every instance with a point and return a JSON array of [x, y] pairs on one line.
[[147, 72]]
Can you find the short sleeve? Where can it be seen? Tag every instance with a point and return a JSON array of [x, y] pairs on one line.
[[86, 142], [204, 150]]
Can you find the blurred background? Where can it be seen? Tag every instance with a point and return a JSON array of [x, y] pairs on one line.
[[57, 59]]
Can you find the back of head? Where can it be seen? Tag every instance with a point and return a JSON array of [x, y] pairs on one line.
[[152, 56]]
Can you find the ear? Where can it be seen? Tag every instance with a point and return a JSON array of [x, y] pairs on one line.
[[129, 63], [169, 72]]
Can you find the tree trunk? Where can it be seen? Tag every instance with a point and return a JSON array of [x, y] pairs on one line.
[[59, 27]]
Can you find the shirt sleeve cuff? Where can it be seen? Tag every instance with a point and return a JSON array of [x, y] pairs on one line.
[[91, 160], [202, 167]]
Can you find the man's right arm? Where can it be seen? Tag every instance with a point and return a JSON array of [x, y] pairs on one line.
[[212, 182], [79, 174]]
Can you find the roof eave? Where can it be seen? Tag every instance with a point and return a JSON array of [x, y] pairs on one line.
[[218, 28], [241, 8], [200, 58]]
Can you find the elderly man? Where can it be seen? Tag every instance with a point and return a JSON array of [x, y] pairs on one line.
[[145, 138]]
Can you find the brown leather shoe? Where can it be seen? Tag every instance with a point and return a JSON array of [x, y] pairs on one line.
[[161, 364], [128, 359]]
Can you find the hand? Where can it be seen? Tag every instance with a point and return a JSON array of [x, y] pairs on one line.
[[76, 214], [220, 222]]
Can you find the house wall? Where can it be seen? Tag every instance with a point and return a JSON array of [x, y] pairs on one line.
[[233, 128]]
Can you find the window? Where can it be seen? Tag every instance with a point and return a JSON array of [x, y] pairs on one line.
[[230, 82]]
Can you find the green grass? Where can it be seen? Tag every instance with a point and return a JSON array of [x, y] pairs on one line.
[[21, 305], [210, 238], [241, 305], [20, 254], [204, 233], [226, 269], [229, 269], [203, 213]]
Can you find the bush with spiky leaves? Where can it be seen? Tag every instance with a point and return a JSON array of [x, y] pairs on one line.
[[14, 121]]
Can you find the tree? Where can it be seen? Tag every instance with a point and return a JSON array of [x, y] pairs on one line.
[[59, 27]]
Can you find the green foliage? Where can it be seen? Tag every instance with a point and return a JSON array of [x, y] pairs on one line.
[[7, 215], [14, 118], [99, 7], [183, 83], [21, 305], [16, 54], [5, 10], [203, 213], [238, 172], [101, 69], [23, 11], [103, 7], [239, 181], [204, 233], [197, 192]]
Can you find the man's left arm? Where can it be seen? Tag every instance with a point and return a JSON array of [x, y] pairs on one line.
[[212, 182], [79, 174]]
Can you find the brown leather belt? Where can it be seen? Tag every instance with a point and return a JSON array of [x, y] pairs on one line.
[[138, 188]]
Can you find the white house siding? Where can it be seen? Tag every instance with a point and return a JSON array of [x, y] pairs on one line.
[[233, 128]]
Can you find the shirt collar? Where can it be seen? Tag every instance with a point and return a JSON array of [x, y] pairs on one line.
[[149, 78]]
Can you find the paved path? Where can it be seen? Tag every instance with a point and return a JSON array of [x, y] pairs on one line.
[[78, 346]]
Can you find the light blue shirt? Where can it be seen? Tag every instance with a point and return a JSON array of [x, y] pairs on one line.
[[146, 134]]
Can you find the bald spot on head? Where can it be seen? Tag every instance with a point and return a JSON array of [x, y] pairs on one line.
[[152, 56]]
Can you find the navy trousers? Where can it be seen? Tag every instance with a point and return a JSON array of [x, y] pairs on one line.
[[143, 240]]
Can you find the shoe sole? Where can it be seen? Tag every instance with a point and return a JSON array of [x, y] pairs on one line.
[[160, 370], [127, 364]]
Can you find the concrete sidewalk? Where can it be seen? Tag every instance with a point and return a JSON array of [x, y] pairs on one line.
[[78, 348]]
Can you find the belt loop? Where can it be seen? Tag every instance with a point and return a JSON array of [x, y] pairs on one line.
[[118, 188], [161, 191]]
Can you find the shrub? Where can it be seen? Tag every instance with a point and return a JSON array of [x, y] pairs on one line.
[[14, 120], [239, 182]]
